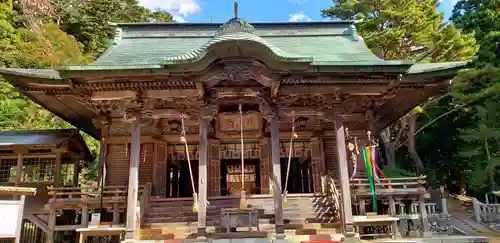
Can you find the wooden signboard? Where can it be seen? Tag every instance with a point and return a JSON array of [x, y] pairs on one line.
[[11, 218]]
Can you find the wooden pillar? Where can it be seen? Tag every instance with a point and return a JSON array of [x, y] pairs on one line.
[[202, 177], [51, 223], [76, 170], [57, 170], [214, 165], [265, 166], [275, 159], [161, 170], [207, 113], [133, 180], [316, 163], [19, 167], [344, 178]]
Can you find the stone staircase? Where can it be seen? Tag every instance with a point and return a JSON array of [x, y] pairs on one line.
[[306, 215]]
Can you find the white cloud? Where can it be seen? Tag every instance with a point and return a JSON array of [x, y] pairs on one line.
[[299, 17], [180, 9]]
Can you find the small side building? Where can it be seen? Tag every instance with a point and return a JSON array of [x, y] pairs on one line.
[[41, 159]]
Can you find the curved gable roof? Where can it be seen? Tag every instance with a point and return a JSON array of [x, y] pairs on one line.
[[150, 44]]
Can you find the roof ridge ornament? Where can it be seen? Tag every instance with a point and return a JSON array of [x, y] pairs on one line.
[[235, 25], [235, 10]]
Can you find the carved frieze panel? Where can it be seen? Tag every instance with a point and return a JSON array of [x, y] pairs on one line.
[[239, 73], [174, 126], [312, 100], [300, 79], [228, 124]]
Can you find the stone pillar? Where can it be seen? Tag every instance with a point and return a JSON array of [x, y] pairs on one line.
[[133, 180], [362, 206], [444, 207], [393, 213], [344, 179], [423, 217]]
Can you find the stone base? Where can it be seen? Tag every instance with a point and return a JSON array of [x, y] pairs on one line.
[[351, 237], [426, 234], [130, 241]]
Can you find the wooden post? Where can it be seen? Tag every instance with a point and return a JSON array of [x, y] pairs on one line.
[[344, 178], [76, 169], [133, 180], [275, 158], [85, 215], [51, 223], [202, 177], [19, 167], [57, 170]]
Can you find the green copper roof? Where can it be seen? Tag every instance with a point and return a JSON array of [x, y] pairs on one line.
[[240, 37], [145, 44]]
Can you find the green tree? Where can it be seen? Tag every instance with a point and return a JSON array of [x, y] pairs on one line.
[[406, 29], [481, 87], [89, 20], [396, 29]]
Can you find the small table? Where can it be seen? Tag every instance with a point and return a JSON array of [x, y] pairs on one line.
[[99, 231], [376, 221], [234, 218]]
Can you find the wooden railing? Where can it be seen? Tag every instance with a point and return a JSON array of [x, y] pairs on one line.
[[90, 192], [144, 200], [390, 184], [335, 197]]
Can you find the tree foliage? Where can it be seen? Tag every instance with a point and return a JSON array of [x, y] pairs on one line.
[[406, 29], [397, 29], [89, 20], [52, 33]]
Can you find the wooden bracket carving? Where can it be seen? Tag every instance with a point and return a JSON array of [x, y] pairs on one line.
[[238, 73], [268, 112], [208, 112]]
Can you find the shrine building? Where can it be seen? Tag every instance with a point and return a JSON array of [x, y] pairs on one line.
[[284, 96]]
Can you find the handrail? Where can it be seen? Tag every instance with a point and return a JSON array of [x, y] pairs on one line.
[[336, 198], [144, 200]]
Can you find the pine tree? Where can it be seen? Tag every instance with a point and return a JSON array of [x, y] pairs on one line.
[[405, 29]]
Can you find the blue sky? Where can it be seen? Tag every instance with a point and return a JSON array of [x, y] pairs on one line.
[[252, 10]]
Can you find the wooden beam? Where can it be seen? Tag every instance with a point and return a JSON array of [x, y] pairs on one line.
[[113, 95], [27, 156]]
